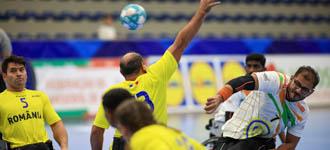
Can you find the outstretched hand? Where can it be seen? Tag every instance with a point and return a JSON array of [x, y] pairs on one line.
[[213, 103], [206, 5]]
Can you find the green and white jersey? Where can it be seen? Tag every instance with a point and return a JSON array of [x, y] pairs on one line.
[[266, 113]]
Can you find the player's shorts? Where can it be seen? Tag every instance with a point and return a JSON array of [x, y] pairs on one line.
[[118, 143], [37, 146], [3, 145], [225, 143]]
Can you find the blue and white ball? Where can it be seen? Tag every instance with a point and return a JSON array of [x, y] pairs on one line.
[[133, 16]]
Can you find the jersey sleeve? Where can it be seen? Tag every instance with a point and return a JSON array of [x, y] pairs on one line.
[[270, 81], [298, 129], [49, 112], [100, 120], [164, 67]]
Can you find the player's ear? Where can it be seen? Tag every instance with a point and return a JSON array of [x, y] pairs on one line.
[[4, 75], [144, 67]]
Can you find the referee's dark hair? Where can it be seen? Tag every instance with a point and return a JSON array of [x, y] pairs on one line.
[[256, 57], [113, 98]]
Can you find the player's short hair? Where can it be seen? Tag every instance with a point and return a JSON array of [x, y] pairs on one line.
[[256, 57], [310, 70], [134, 115], [12, 59], [113, 98], [132, 65]]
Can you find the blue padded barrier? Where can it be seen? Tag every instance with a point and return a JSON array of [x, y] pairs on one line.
[[77, 48]]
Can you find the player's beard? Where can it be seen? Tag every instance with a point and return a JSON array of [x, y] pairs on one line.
[[293, 96], [19, 83]]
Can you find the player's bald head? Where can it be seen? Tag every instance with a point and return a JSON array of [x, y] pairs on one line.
[[130, 63]]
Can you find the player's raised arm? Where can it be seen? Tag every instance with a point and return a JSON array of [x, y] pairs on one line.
[[189, 31]]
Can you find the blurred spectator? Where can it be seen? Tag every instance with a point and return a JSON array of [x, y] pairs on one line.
[[107, 30], [5, 51]]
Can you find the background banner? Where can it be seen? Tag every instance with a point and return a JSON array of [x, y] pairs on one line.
[[75, 87]]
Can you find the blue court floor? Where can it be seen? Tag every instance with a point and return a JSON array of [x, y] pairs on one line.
[[316, 135]]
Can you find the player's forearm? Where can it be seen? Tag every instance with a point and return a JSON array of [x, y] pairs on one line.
[[286, 146], [96, 138], [60, 134], [282, 137], [237, 84], [96, 142], [291, 141], [188, 32]]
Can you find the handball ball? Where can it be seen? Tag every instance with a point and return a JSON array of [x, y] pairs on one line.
[[133, 16]]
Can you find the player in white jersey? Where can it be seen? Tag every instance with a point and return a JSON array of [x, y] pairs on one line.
[[253, 63], [262, 115]]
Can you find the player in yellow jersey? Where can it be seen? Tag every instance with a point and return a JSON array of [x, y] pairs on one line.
[[135, 121], [149, 84], [23, 112]]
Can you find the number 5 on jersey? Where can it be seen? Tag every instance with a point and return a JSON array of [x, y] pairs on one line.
[[24, 102]]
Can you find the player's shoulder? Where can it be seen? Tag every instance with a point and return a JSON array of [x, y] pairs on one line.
[[273, 77], [117, 85], [2, 94], [302, 107], [270, 73], [246, 93]]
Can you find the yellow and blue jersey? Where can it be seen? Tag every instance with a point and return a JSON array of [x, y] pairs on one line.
[[22, 117], [149, 87]]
